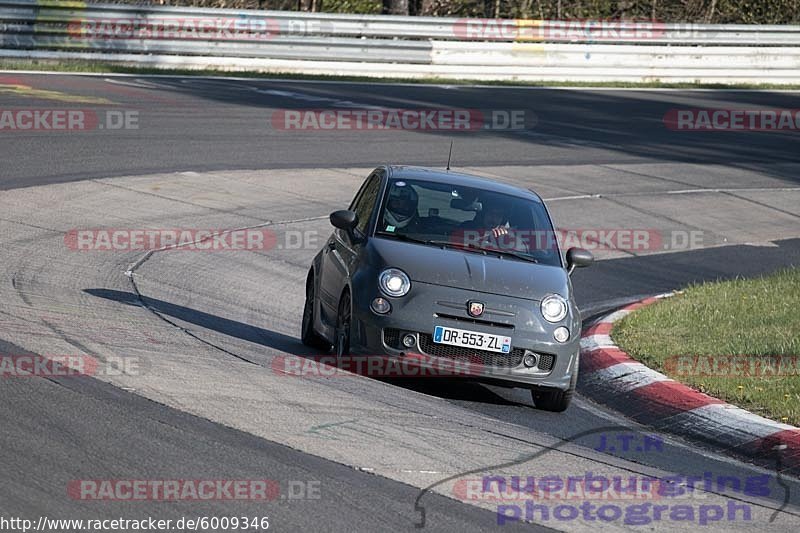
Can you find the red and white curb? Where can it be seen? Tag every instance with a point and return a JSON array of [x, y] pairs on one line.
[[611, 376]]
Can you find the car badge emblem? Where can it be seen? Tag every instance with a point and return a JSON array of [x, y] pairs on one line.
[[475, 308]]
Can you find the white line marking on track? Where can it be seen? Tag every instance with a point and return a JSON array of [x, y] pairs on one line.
[[677, 191], [141, 84], [377, 81]]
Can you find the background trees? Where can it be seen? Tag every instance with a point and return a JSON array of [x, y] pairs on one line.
[[716, 11]]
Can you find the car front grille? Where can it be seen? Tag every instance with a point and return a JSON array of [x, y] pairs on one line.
[[475, 321]]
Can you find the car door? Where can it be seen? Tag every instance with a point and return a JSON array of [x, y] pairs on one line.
[[340, 254]]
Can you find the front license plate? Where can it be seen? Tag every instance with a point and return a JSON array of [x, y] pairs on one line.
[[471, 339]]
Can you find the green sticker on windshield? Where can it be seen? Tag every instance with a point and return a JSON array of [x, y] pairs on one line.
[[389, 228]]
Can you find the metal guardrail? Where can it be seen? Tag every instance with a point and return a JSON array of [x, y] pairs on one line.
[[398, 46]]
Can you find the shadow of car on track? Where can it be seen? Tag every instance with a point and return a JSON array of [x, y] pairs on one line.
[[226, 326], [450, 388]]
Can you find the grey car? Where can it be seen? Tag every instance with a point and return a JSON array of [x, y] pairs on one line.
[[434, 267]]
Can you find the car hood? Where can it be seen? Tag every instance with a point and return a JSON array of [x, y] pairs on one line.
[[471, 271]]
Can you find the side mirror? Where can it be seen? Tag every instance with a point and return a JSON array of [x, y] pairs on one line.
[[578, 258], [344, 219]]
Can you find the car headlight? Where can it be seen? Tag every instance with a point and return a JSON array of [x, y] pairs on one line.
[[554, 308], [394, 282]]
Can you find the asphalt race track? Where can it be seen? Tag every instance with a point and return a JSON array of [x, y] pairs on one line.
[[207, 334]]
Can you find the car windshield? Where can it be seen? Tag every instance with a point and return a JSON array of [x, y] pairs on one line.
[[467, 218]]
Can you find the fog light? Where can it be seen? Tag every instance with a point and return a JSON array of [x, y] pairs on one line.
[[561, 334], [409, 340], [530, 359], [380, 306]]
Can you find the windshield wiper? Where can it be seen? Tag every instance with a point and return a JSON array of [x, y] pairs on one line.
[[508, 253], [407, 238]]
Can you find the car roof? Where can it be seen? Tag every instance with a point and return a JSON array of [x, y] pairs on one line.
[[458, 179]]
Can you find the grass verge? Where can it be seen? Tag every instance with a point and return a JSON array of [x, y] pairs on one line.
[[736, 340], [79, 66]]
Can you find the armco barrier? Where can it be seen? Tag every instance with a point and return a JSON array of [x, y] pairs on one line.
[[412, 47]]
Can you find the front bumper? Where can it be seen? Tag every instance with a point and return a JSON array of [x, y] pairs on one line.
[[427, 306]]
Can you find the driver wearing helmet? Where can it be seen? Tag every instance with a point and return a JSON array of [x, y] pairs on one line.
[[401, 209]]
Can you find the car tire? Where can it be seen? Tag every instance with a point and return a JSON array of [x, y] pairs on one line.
[[343, 323], [308, 336], [556, 400]]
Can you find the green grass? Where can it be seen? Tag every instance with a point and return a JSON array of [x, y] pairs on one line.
[[755, 318], [79, 66]]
